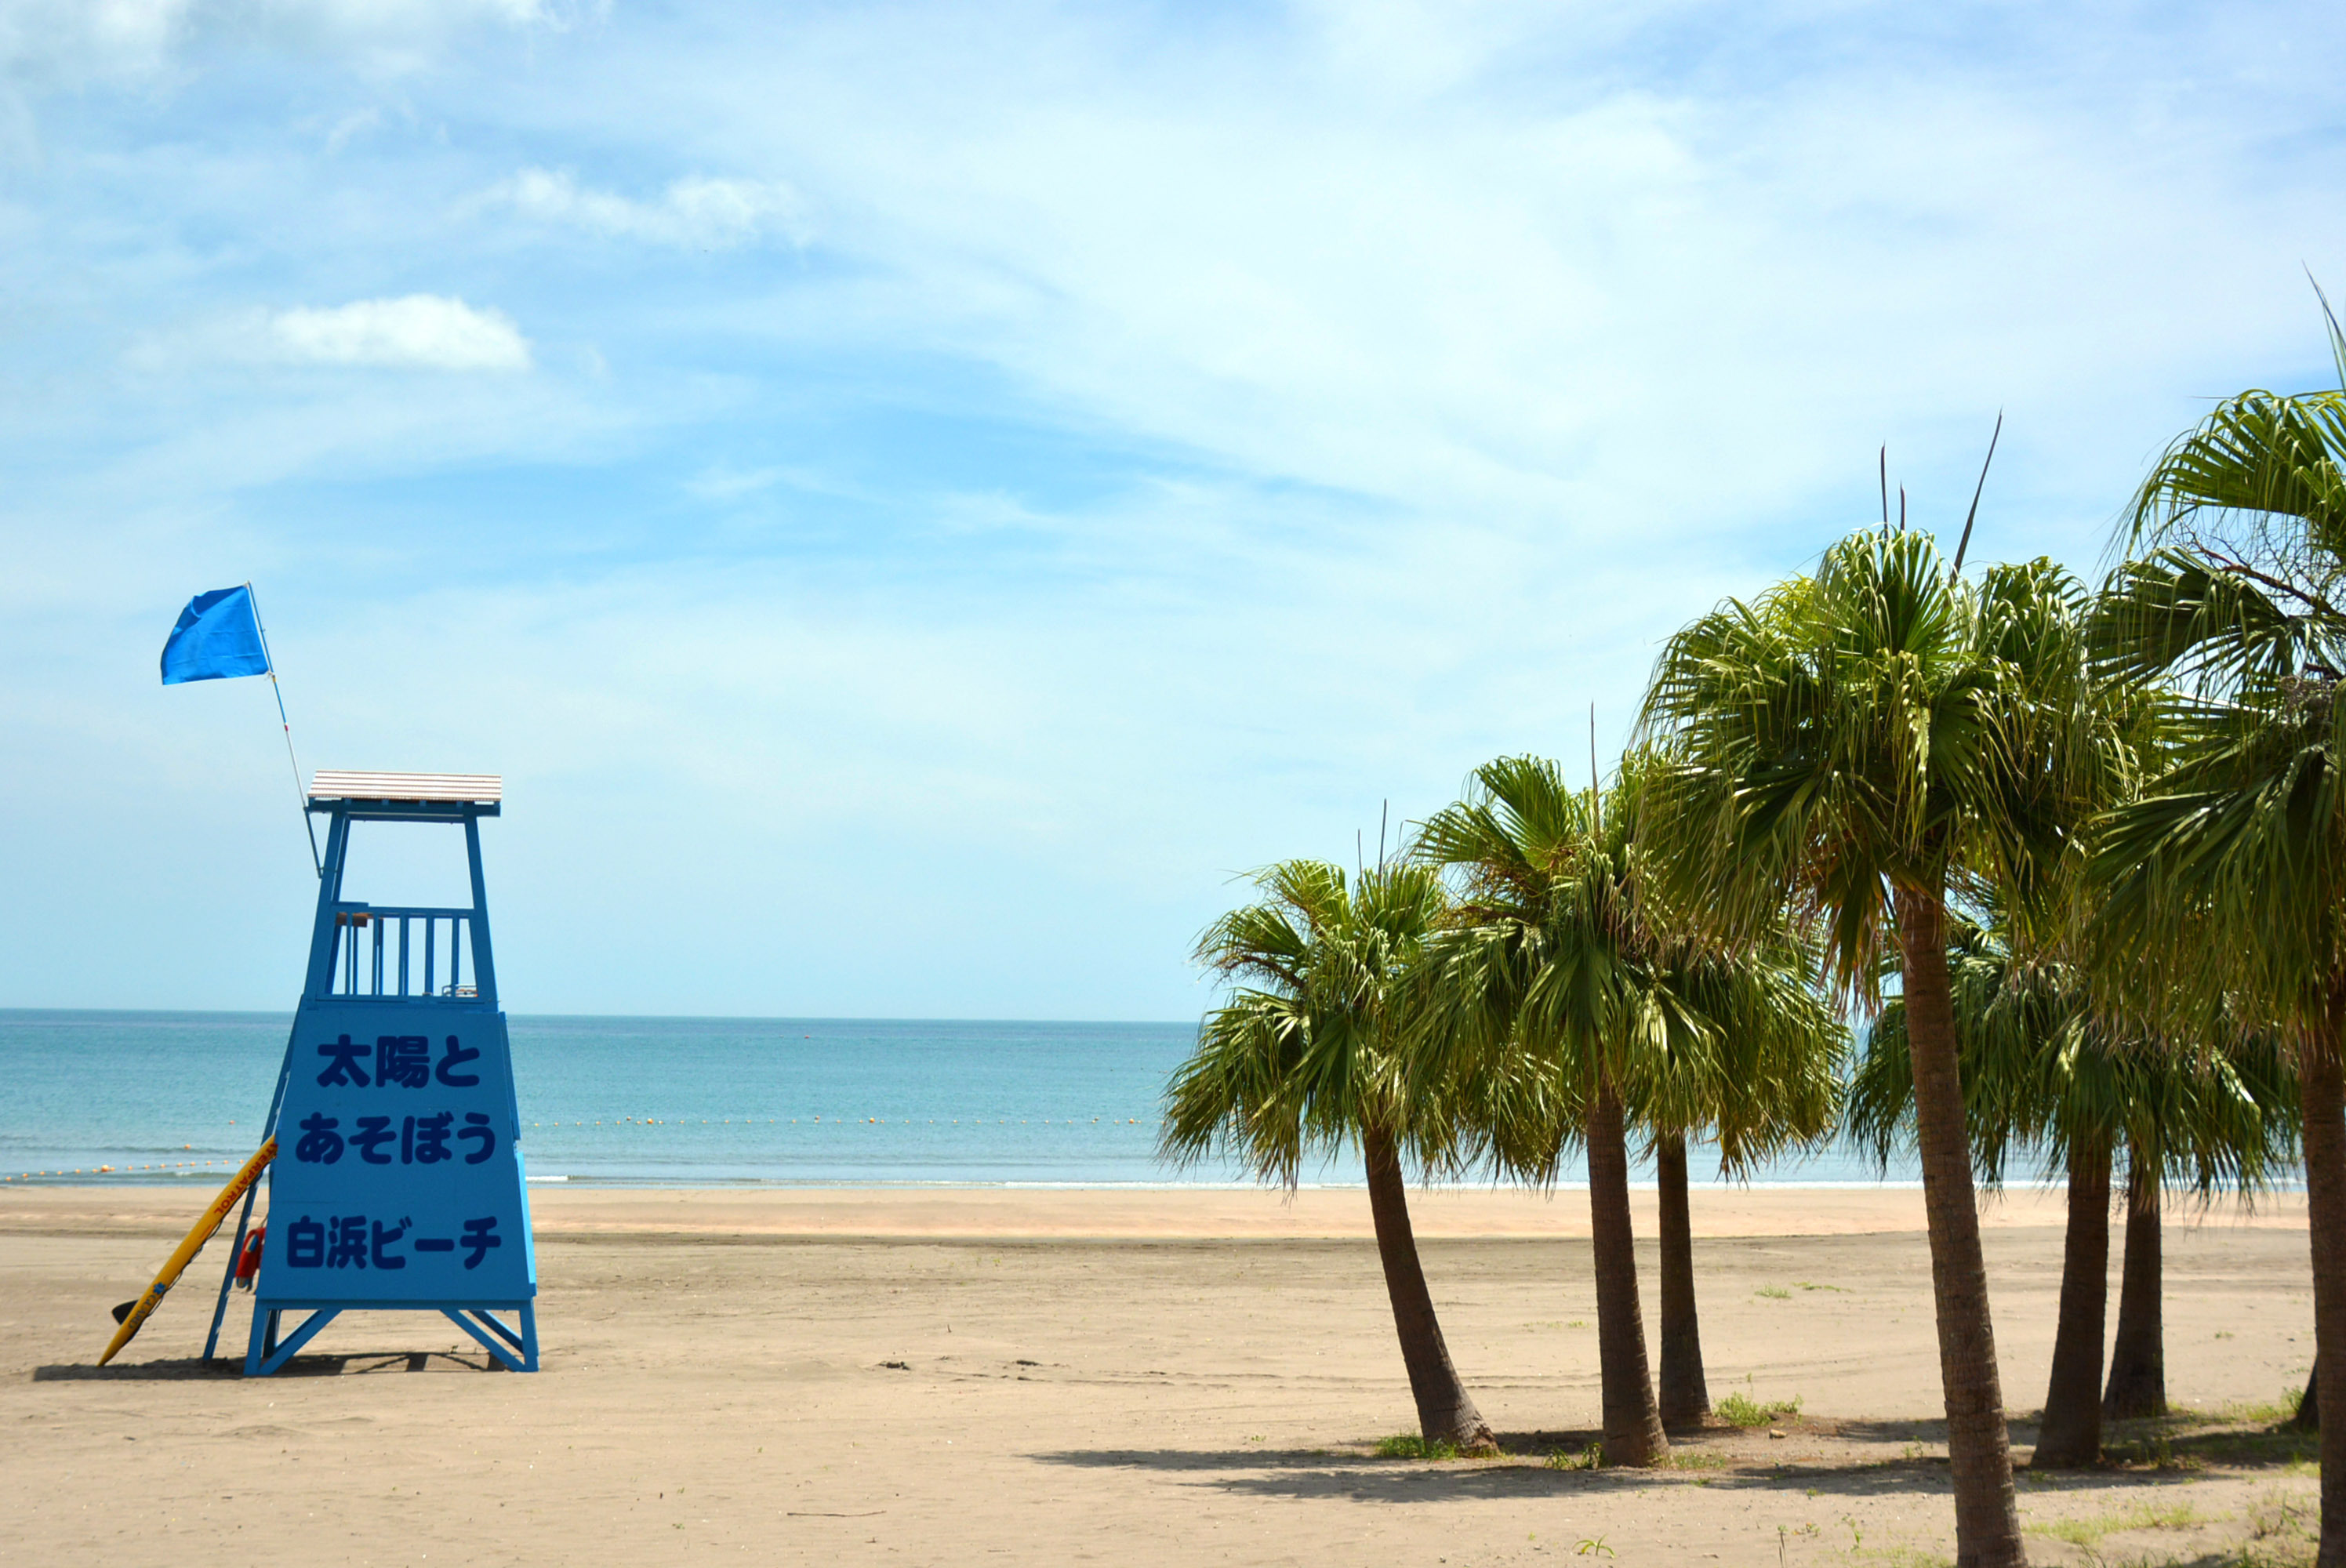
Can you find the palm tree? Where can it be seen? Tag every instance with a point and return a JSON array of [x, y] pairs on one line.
[[2216, 1110], [1302, 1059], [1849, 744], [2042, 1069], [1562, 972], [2228, 875], [1550, 973], [1770, 1081], [2137, 1380]]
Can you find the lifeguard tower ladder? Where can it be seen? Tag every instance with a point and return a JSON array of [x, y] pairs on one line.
[[399, 1183]]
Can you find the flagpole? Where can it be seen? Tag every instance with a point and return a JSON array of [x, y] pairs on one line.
[[301, 796]]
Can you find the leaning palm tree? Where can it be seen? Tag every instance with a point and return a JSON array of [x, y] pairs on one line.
[[2043, 1070], [1771, 1081], [1301, 1060], [1554, 971], [1849, 744], [2228, 875]]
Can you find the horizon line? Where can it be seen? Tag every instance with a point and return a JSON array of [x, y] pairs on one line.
[[666, 1017]]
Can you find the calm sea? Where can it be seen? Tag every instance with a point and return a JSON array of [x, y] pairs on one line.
[[177, 1096]]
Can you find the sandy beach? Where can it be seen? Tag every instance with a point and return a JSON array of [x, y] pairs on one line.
[[955, 1375]]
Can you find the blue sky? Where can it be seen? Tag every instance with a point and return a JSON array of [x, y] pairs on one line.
[[915, 498]]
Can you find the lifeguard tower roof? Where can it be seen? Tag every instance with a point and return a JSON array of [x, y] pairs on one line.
[[439, 789]]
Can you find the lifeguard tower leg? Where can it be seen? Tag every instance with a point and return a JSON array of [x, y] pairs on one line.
[[261, 1342], [227, 1278], [524, 1343], [244, 1220], [266, 1356]]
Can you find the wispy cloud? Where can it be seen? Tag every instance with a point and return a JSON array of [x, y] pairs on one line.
[[706, 213], [73, 40], [418, 332], [1177, 430]]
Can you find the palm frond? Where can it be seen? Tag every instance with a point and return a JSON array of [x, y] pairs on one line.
[[1302, 1055]]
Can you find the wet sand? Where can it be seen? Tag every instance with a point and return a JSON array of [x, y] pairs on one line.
[[945, 1377]]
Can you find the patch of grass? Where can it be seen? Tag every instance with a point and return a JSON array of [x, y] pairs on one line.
[[1837, 1290], [1901, 1557], [1685, 1458], [1740, 1411], [2283, 1531], [2279, 1447], [2159, 1449], [1774, 1293], [2279, 1512], [2271, 1412], [2144, 1516], [1590, 1458], [1410, 1445], [1785, 1536], [2271, 1555]]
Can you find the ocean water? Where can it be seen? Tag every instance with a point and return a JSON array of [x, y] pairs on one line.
[[181, 1097]]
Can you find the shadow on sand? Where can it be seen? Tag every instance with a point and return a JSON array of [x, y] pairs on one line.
[[182, 1368], [1878, 1459], [1307, 1474]]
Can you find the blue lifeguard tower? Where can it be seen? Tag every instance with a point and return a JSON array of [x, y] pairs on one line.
[[398, 1183]]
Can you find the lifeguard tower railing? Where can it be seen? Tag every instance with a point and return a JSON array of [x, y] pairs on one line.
[[395, 953], [403, 953]]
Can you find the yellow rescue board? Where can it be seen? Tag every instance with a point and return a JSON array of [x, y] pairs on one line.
[[185, 1253]]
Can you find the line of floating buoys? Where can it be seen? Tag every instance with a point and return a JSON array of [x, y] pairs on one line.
[[109, 1170], [633, 1121], [868, 1121]]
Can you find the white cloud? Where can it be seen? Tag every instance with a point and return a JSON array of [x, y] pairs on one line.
[[418, 332], [1510, 276], [78, 40], [1223, 419], [708, 214], [351, 125]]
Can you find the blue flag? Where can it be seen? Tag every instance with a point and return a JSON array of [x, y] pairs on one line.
[[217, 636]]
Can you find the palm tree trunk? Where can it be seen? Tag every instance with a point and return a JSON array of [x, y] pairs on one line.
[[1979, 1446], [2072, 1430], [2322, 1094], [1633, 1422], [1686, 1396], [2139, 1353], [1445, 1411]]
